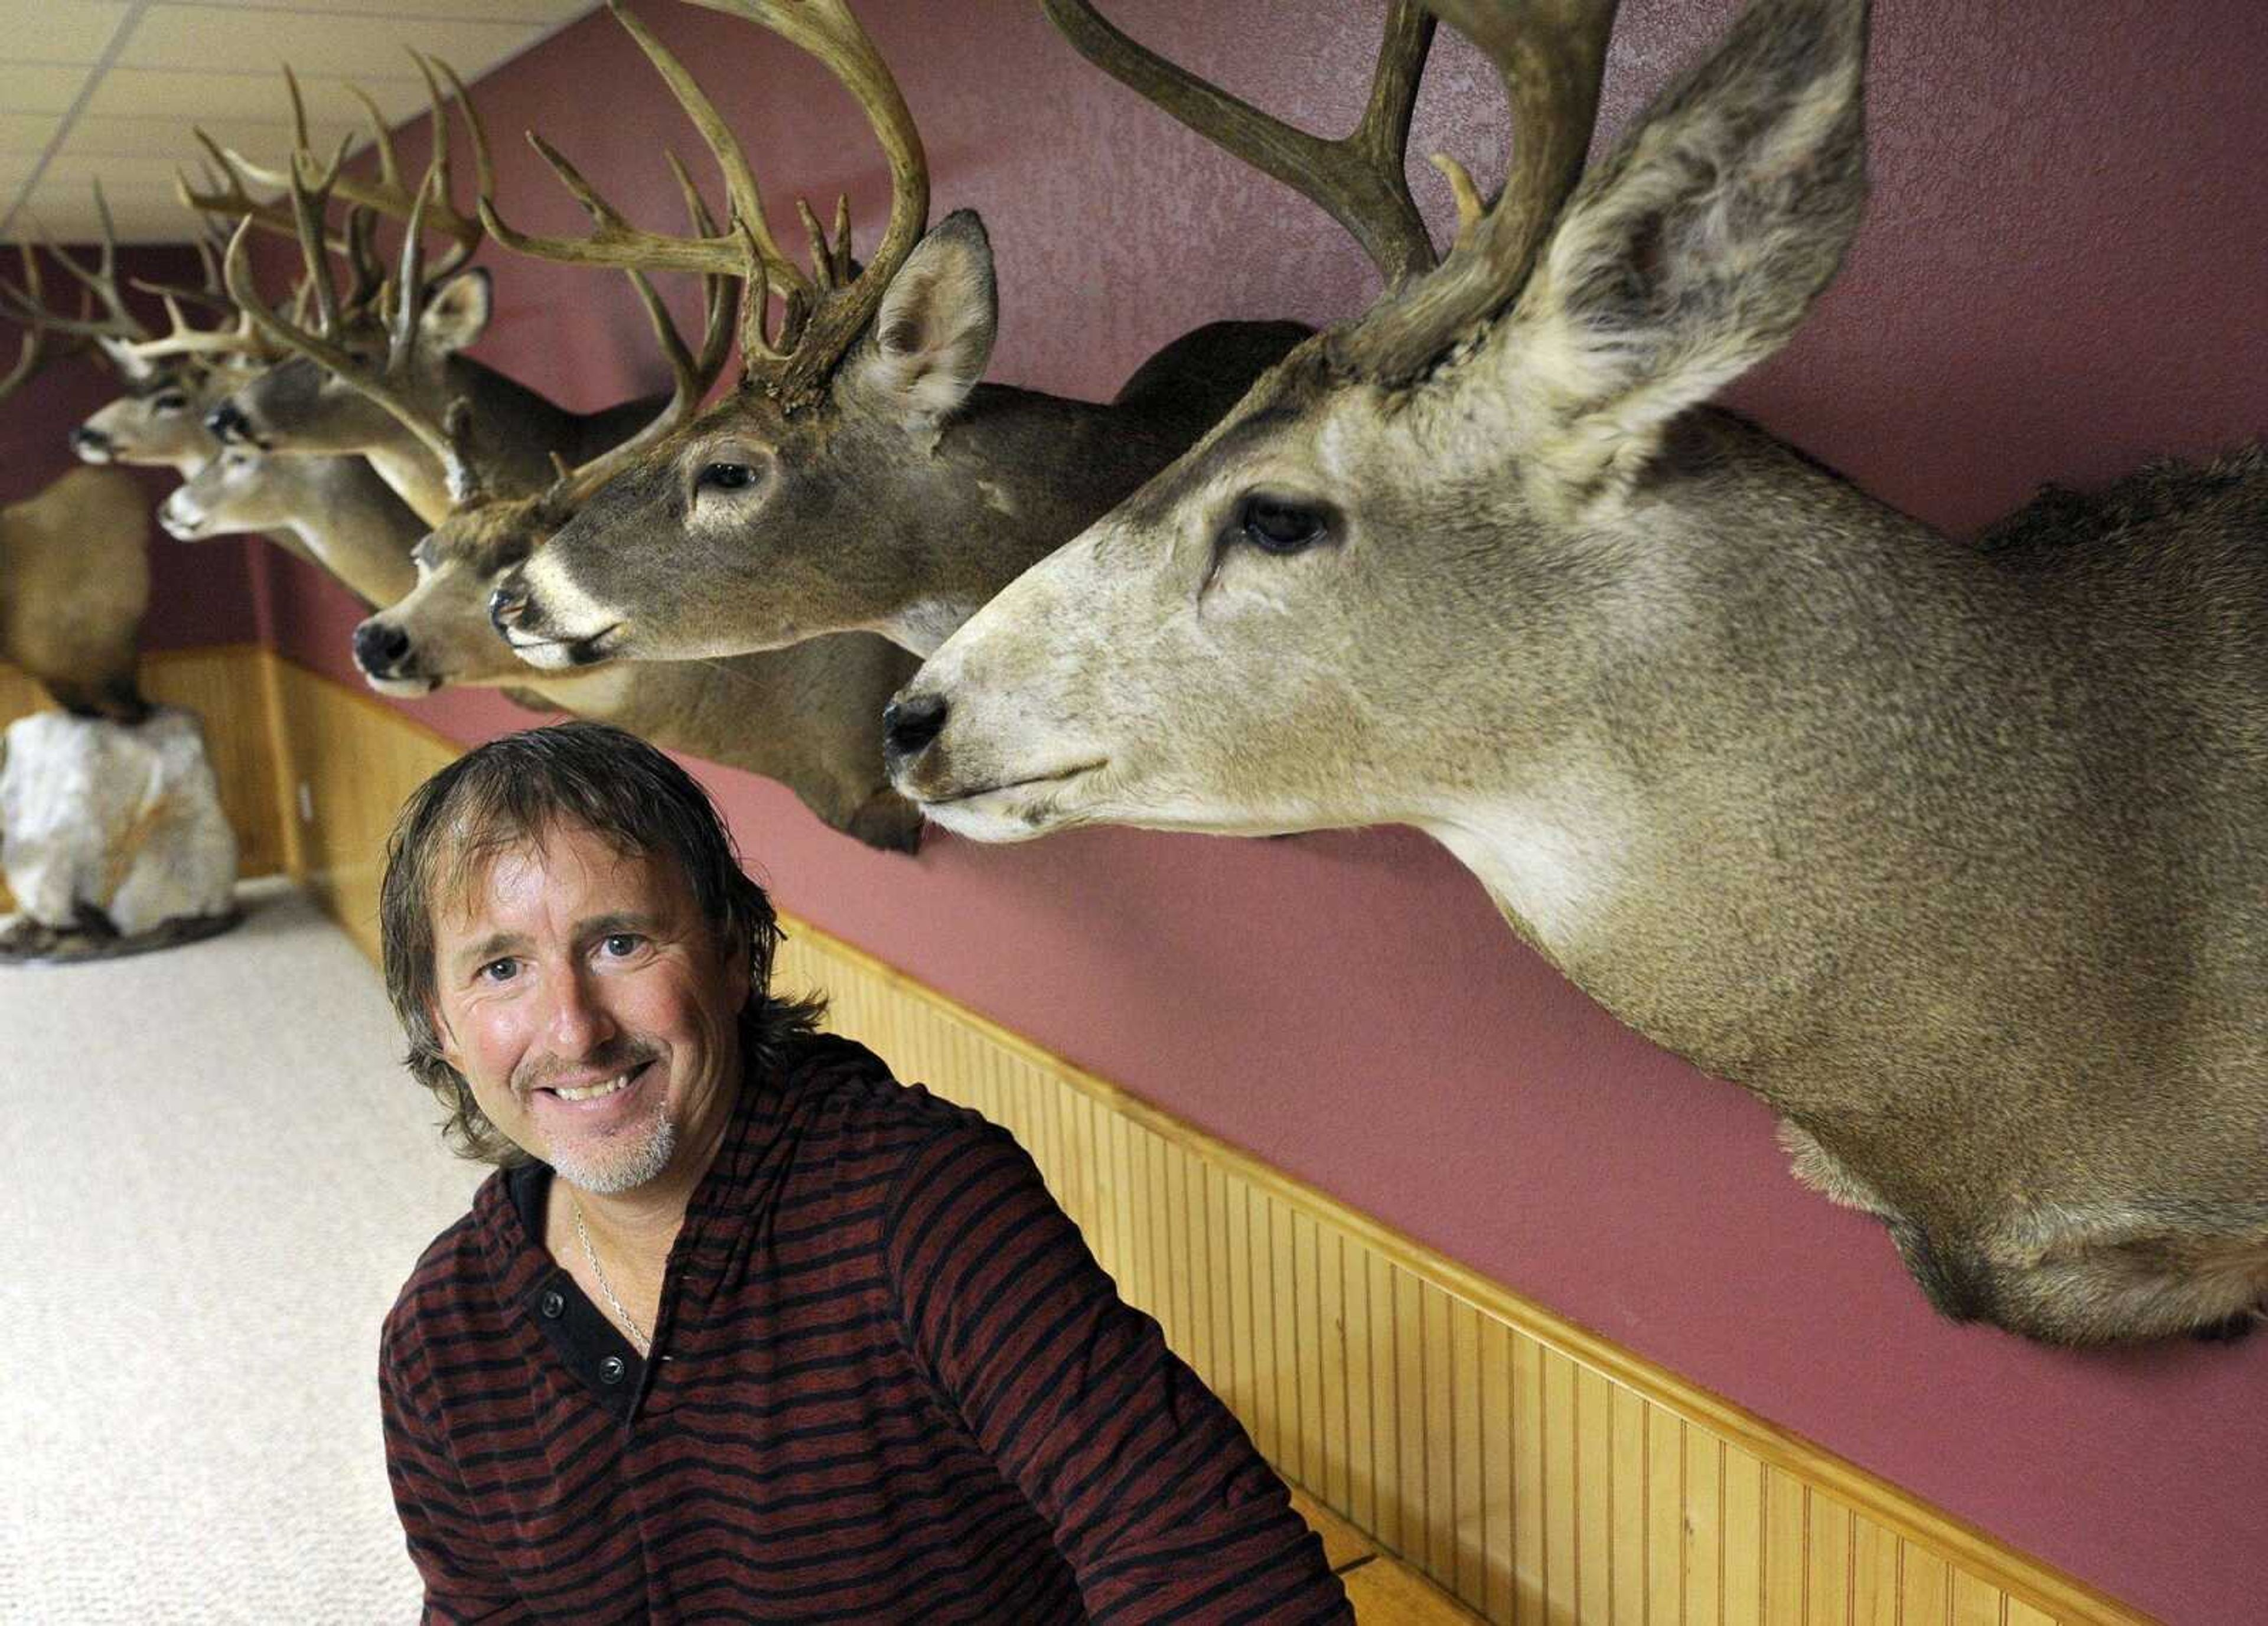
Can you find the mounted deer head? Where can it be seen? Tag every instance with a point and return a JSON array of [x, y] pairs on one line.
[[345, 517], [175, 379], [804, 716], [411, 335], [842, 485], [1951, 855]]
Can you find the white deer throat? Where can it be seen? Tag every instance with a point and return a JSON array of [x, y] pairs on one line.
[[1556, 871]]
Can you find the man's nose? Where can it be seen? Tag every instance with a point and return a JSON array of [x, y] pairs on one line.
[[580, 1021]]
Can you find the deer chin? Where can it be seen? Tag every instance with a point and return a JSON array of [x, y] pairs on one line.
[[182, 527], [569, 654], [404, 686], [1019, 810]]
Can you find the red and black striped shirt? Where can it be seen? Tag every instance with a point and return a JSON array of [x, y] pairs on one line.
[[891, 1384]]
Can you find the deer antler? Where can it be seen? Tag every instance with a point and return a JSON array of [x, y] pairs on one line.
[[387, 194], [117, 323], [1358, 180], [693, 374], [35, 353], [824, 311], [449, 438], [1550, 55]]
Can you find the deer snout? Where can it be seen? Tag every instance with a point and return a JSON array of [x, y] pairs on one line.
[[910, 724], [183, 519], [380, 649], [92, 445]]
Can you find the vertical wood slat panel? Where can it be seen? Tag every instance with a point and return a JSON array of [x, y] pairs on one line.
[[1526, 1477]]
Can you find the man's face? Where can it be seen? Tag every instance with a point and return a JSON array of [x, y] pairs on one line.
[[582, 995]]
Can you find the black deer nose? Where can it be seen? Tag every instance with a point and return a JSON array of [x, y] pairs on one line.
[[378, 649], [506, 604], [909, 725], [83, 439], [228, 423]]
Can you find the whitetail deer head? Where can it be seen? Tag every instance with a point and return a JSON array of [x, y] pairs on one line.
[[835, 488], [1793, 786], [440, 633], [411, 335]]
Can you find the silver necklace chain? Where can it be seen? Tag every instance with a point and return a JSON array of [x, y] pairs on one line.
[[639, 1336]]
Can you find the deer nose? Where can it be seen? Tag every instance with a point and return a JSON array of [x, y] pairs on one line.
[[910, 724], [228, 423], [506, 604], [87, 442], [378, 649]]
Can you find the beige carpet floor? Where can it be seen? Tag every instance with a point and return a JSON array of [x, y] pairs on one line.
[[214, 1176]]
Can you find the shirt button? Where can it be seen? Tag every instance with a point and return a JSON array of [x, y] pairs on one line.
[[553, 1305], [611, 1369]]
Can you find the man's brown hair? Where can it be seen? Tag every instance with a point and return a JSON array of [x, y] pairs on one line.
[[514, 790]]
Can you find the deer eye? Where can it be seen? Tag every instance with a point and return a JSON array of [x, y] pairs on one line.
[[172, 400], [726, 477], [1274, 525]]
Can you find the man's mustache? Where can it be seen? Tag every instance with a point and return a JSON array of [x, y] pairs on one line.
[[618, 1056]]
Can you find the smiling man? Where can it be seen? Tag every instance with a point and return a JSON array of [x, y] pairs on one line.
[[743, 1329]]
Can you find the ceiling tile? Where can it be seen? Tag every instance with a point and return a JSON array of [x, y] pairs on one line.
[[214, 37], [60, 31], [117, 175], [137, 93], [26, 133], [546, 11], [25, 89], [264, 141]]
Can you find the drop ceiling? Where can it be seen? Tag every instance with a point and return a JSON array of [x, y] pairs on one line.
[[112, 88]]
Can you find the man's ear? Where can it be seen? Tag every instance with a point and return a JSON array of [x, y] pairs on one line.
[[1692, 253], [931, 340], [457, 315]]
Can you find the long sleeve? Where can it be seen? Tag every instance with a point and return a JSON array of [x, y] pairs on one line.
[[1153, 1491], [463, 1582]]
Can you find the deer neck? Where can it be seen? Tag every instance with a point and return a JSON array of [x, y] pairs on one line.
[[1004, 484], [353, 524], [515, 430]]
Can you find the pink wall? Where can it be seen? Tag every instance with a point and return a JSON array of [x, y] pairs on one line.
[[2060, 274], [203, 596]]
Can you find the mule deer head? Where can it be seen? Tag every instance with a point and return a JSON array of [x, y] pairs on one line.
[[1795, 786], [839, 485]]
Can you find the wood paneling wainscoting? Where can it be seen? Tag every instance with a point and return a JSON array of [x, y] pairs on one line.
[[226, 685], [1529, 1469]]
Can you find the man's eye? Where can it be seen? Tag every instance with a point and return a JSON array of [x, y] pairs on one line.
[[499, 971], [621, 945], [726, 477]]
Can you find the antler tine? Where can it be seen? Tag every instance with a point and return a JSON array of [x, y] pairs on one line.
[[1358, 179], [102, 282], [435, 436], [309, 205], [389, 167], [694, 374], [34, 353], [234, 202], [826, 29], [409, 283], [738, 252], [1550, 55], [483, 170]]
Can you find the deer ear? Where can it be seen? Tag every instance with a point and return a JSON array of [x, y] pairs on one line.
[[1692, 252], [931, 340], [458, 314]]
